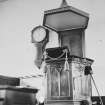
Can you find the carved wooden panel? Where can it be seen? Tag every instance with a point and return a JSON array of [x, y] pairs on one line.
[[73, 40], [54, 82], [58, 83], [64, 83], [81, 82]]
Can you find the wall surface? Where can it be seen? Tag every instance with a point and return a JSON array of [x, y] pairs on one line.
[[19, 17]]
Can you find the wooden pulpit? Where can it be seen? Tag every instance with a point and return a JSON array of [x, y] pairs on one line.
[[69, 86]]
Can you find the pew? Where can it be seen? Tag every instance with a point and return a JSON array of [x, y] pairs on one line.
[[11, 93]]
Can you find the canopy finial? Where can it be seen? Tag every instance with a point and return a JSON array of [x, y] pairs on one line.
[[64, 3]]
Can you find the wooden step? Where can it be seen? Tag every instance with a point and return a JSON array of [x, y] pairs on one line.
[[63, 102]]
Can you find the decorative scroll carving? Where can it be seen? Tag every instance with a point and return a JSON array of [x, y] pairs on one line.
[[81, 82]]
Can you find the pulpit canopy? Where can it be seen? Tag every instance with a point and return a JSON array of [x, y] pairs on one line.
[[65, 18]]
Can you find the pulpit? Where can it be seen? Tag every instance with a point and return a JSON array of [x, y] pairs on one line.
[[67, 86], [67, 71]]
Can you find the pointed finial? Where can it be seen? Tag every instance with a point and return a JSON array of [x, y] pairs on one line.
[[64, 3]]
